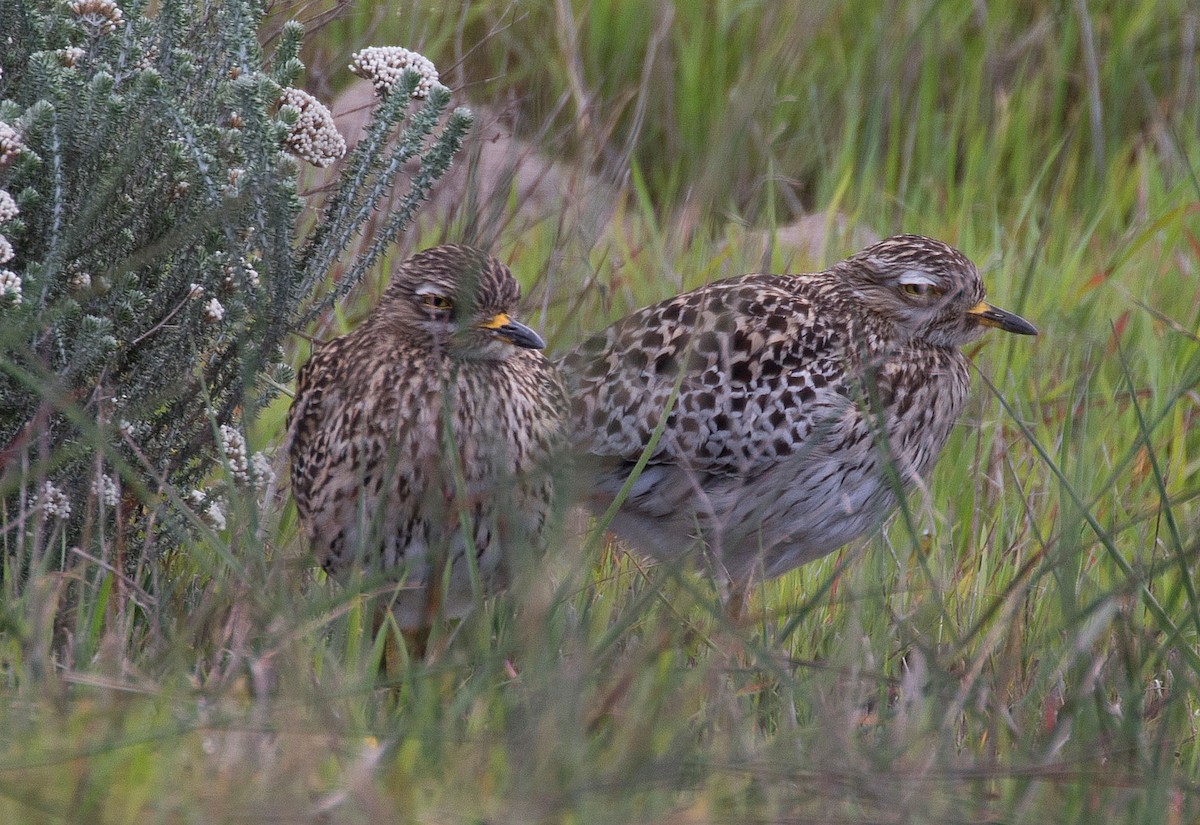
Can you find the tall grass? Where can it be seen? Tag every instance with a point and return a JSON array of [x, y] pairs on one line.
[[1026, 652]]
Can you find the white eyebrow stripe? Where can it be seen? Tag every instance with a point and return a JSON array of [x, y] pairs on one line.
[[914, 276]]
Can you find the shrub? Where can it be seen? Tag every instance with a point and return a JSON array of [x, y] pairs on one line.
[[150, 157]]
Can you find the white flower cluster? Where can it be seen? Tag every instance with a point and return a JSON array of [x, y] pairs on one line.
[[10, 286], [385, 65], [71, 55], [213, 515], [55, 502], [8, 211], [313, 137], [8, 207], [102, 16], [264, 473], [80, 282], [10, 143], [214, 311], [104, 487], [248, 272], [234, 445]]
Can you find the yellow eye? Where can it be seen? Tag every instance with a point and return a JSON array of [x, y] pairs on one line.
[[920, 290], [437, 302]]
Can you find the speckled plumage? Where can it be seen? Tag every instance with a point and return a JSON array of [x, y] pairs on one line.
[[798, 393], [372, 465]]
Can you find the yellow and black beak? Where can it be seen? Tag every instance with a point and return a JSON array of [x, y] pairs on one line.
[[514, 332], [990, 316]]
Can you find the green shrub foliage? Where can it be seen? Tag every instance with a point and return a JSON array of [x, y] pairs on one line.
[[156, 269]]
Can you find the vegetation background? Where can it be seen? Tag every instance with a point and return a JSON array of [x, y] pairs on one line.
[[1022, 644]]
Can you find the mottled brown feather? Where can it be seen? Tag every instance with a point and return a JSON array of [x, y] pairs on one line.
[[799, 395], [420, 420]]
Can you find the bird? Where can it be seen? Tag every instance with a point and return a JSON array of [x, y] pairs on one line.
[[798, 407], [422, 443]]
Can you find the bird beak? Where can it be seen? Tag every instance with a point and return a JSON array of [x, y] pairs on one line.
[[991, 316], [514, 332]]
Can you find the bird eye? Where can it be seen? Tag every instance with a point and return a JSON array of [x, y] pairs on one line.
[[437, 302], [920, 290]]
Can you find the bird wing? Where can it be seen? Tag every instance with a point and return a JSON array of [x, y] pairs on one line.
[[763, 372], [307, 421]]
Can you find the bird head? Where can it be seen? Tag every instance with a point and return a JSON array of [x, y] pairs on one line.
[[927, 289], [459, 298]]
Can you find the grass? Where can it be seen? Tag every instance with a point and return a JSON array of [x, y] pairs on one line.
[[1026, 652]]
